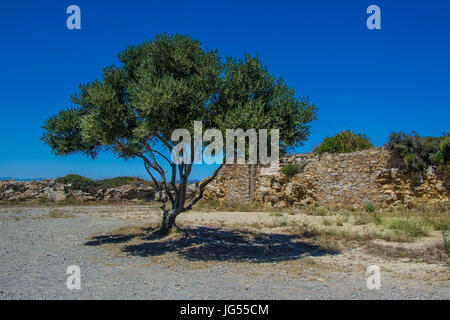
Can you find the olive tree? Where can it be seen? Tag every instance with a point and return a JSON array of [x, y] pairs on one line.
[[165, 84]]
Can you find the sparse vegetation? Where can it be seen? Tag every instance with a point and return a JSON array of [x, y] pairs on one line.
[[218, 205], [411, 227], [277, 223], [446, 241], [318, 210], [276, 214], [432, 254], [378, 219], [56, 214], [361, 218]]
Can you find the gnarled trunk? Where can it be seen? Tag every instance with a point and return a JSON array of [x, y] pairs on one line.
[[168, 221]]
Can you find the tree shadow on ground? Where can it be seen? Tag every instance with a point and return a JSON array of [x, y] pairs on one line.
[[110, 239], [215, 244]]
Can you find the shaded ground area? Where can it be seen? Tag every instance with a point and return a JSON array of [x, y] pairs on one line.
[[215, 244]]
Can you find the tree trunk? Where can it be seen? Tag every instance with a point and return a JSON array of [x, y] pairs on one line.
[[168, 221], [252, 182]]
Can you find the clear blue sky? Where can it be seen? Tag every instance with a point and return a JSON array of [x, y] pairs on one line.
[[369, 81]]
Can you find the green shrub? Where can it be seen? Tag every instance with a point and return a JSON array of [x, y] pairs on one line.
[[369, 207], [78, 182], [291, 169], [319, 210], [87, 185], [419, 152], [120, 181], [444, 150], [344, 142]]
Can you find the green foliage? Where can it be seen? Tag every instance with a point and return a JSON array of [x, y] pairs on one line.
[[444, 150], [87, 185], [291, 169], [409, 226], [369, 207], [167, 83], [249, 97], [78, 182], [63, 134], [446, 241], [120, 181], [344, 142], [419, 152], [319, 210]]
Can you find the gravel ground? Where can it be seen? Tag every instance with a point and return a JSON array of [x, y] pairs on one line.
[[36, 250]]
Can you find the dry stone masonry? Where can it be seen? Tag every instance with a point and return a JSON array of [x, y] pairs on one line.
[[337, 180]]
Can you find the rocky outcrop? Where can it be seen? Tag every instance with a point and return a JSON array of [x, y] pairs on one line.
[[339, 180], [52, 191], [49, 190]]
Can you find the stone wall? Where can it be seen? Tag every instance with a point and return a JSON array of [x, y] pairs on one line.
[[338, 180], [232, 185]]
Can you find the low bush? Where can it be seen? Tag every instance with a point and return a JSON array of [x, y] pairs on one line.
[[78, 182], [120, 181], [344, 142], [369, 207], [291, 169], [318, 210]]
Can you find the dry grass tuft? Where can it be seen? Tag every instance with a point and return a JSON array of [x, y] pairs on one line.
[[435, 253], [55, 214]]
